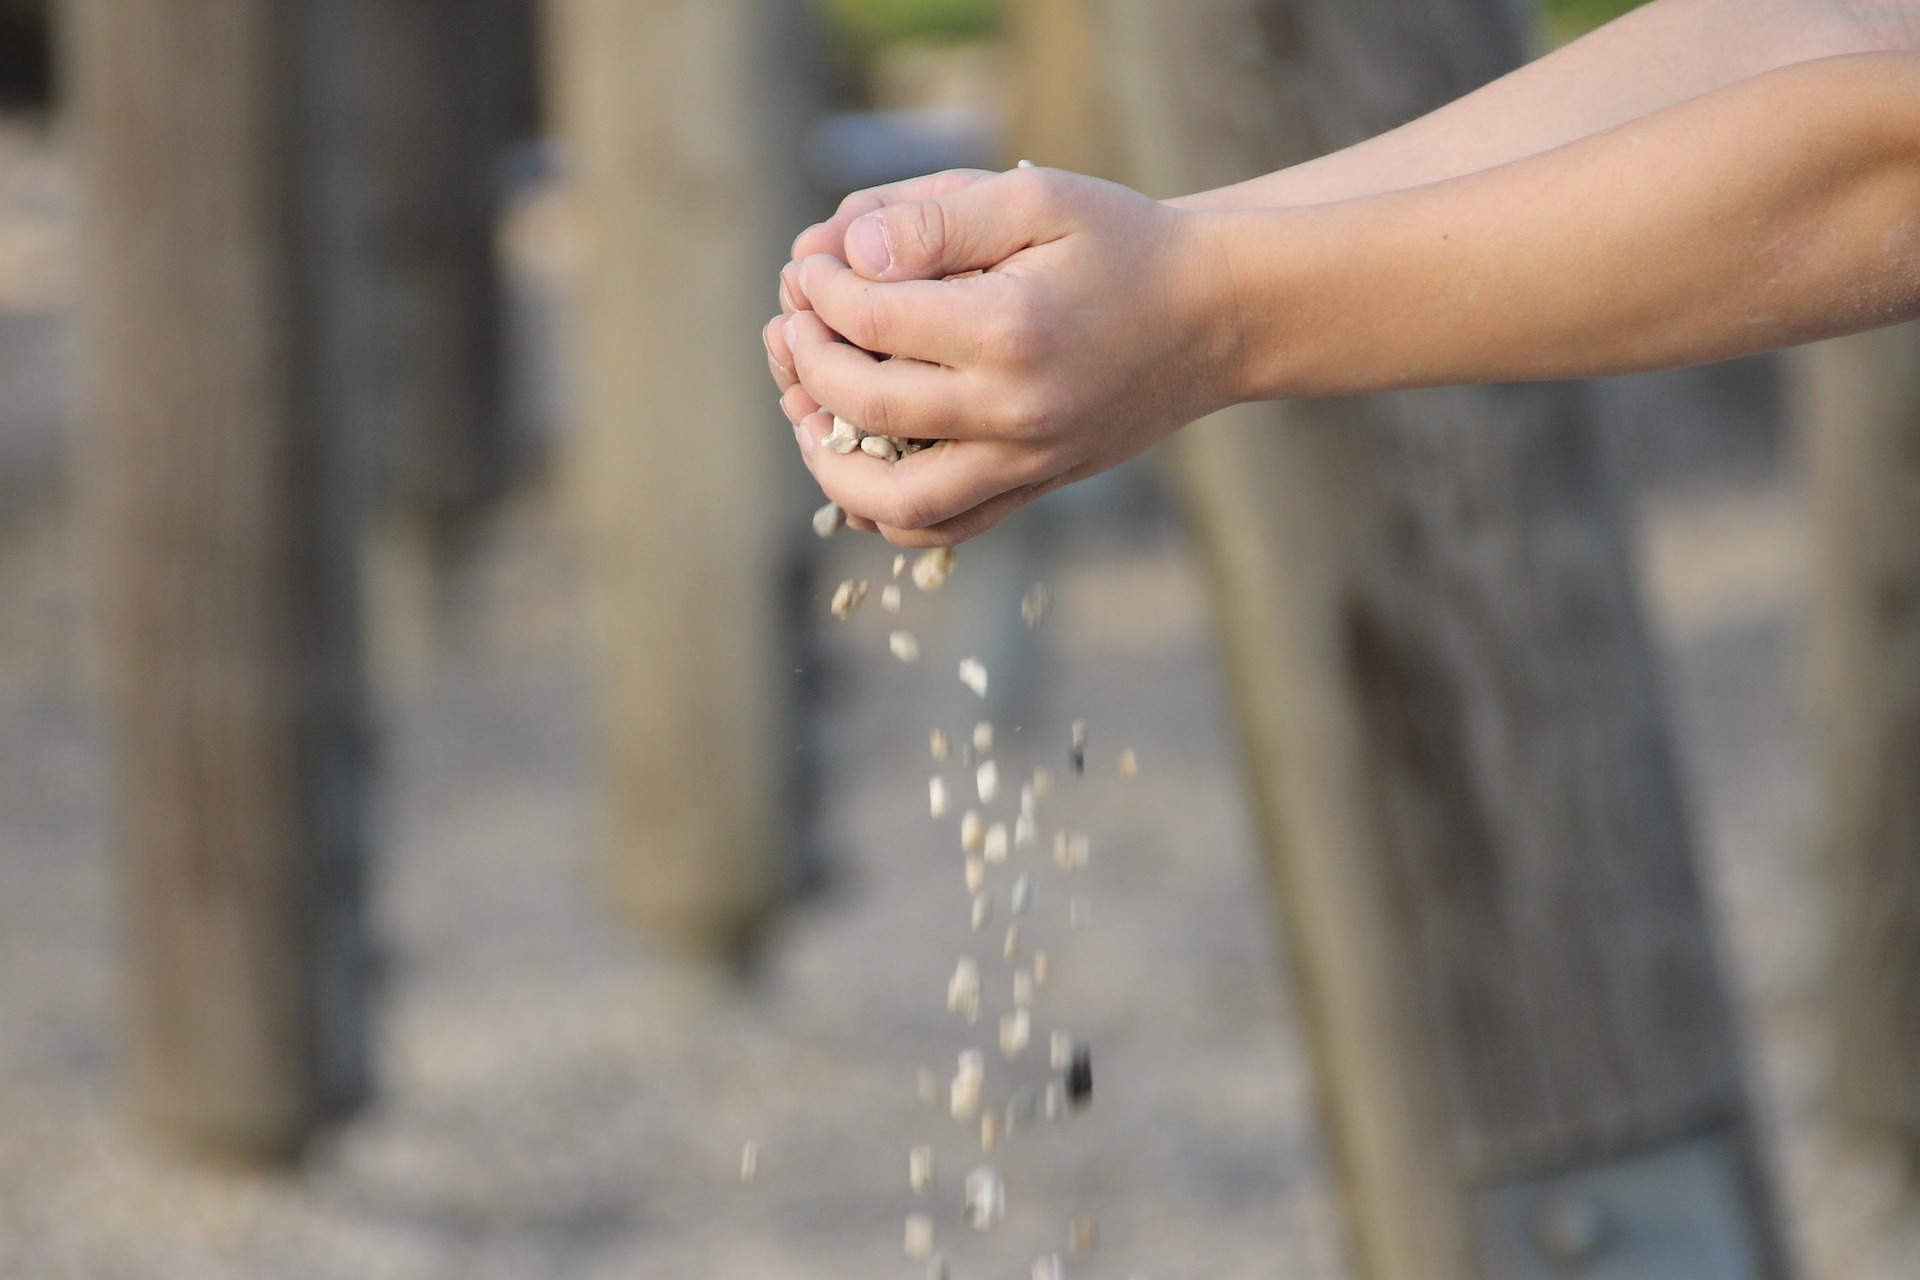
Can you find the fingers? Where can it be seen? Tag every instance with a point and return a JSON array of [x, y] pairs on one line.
[[829, 236], [779, 359], [922, 490], [910, 399], [933, 320], [972, 228]]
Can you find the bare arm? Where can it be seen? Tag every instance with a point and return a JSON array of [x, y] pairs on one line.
[[1782, 208], [1654, 57], [1779, 210]]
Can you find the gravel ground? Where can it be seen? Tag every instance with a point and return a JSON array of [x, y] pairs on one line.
[[557, 1101]]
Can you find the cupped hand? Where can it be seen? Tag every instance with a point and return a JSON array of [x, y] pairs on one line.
[[1097, 324]]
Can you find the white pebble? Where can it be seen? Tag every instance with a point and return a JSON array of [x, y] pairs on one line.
[[899, 564], [904, 646], [749, 1161], [1015, 1029], [974, 676], [982, 908], [965, 1097], [1039, 968], [1023, 894], [1071, 849], [1060, 1051], [847, 597], [989, 1132], [937, 796], [919, 1233], [1022, 989], [829, 520], [879, 447], [994, 847], [1026, 831], [1011, 947], [976, 875], [932, 568], [973, 829], [939, 745], [986, 1198], [1029, 801], [1047, 1267], [1129, 763], [963, 989], [922, 1166], [986, 781], [964, 1092], [1033, 605], [1042, 783], [983, 737], [890, 598], [844, 438]]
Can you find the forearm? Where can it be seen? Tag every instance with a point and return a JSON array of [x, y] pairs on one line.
[[1776, 211], [1653, 58]]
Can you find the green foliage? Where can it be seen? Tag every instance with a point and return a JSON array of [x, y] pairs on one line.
[[874, 22], [1571, 19]]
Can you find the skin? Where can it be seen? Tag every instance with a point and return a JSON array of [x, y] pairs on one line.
[[1703, 179]]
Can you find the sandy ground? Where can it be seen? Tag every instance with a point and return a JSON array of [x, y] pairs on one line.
[[557, 1101]]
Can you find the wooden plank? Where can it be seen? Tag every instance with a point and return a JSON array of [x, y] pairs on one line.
[[1858, 407], [681, 119], [1454, 728], [220, 505]]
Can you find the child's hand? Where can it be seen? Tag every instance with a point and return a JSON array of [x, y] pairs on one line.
[[1097, 326]]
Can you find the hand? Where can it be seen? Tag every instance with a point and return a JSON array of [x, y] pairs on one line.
[[1097, 325], [829, 237]]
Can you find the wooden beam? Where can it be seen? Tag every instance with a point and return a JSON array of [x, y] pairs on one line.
[[1455, 733], [1858, 408], [681, 119], [222, 512]]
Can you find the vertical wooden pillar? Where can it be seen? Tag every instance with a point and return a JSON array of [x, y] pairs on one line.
[[1858, 401], [445, 90], [680, 123], [1455, 734], [220, 500]]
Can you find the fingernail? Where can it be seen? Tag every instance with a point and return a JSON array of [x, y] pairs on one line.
[[868, 249], [790, 414], [786, 298], [788, 330], [805, 440]]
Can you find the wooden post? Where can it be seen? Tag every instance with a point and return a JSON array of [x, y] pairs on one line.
[[1455, 734], [681, 121], [445, 90], [220, 501], [1859, 411]]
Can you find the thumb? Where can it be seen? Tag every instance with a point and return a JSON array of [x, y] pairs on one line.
[[971, 229]]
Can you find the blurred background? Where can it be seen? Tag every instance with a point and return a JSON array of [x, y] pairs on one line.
[[441, 823]]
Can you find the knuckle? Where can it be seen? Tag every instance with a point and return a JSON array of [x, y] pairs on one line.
[[908, 511], [923, 233], [862, 321], [875, 413], [1029, 416]]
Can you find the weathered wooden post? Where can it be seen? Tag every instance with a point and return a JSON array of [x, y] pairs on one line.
[[1455, 734], [447, 84], [1858, 402], [681, 120], [220, 499]]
